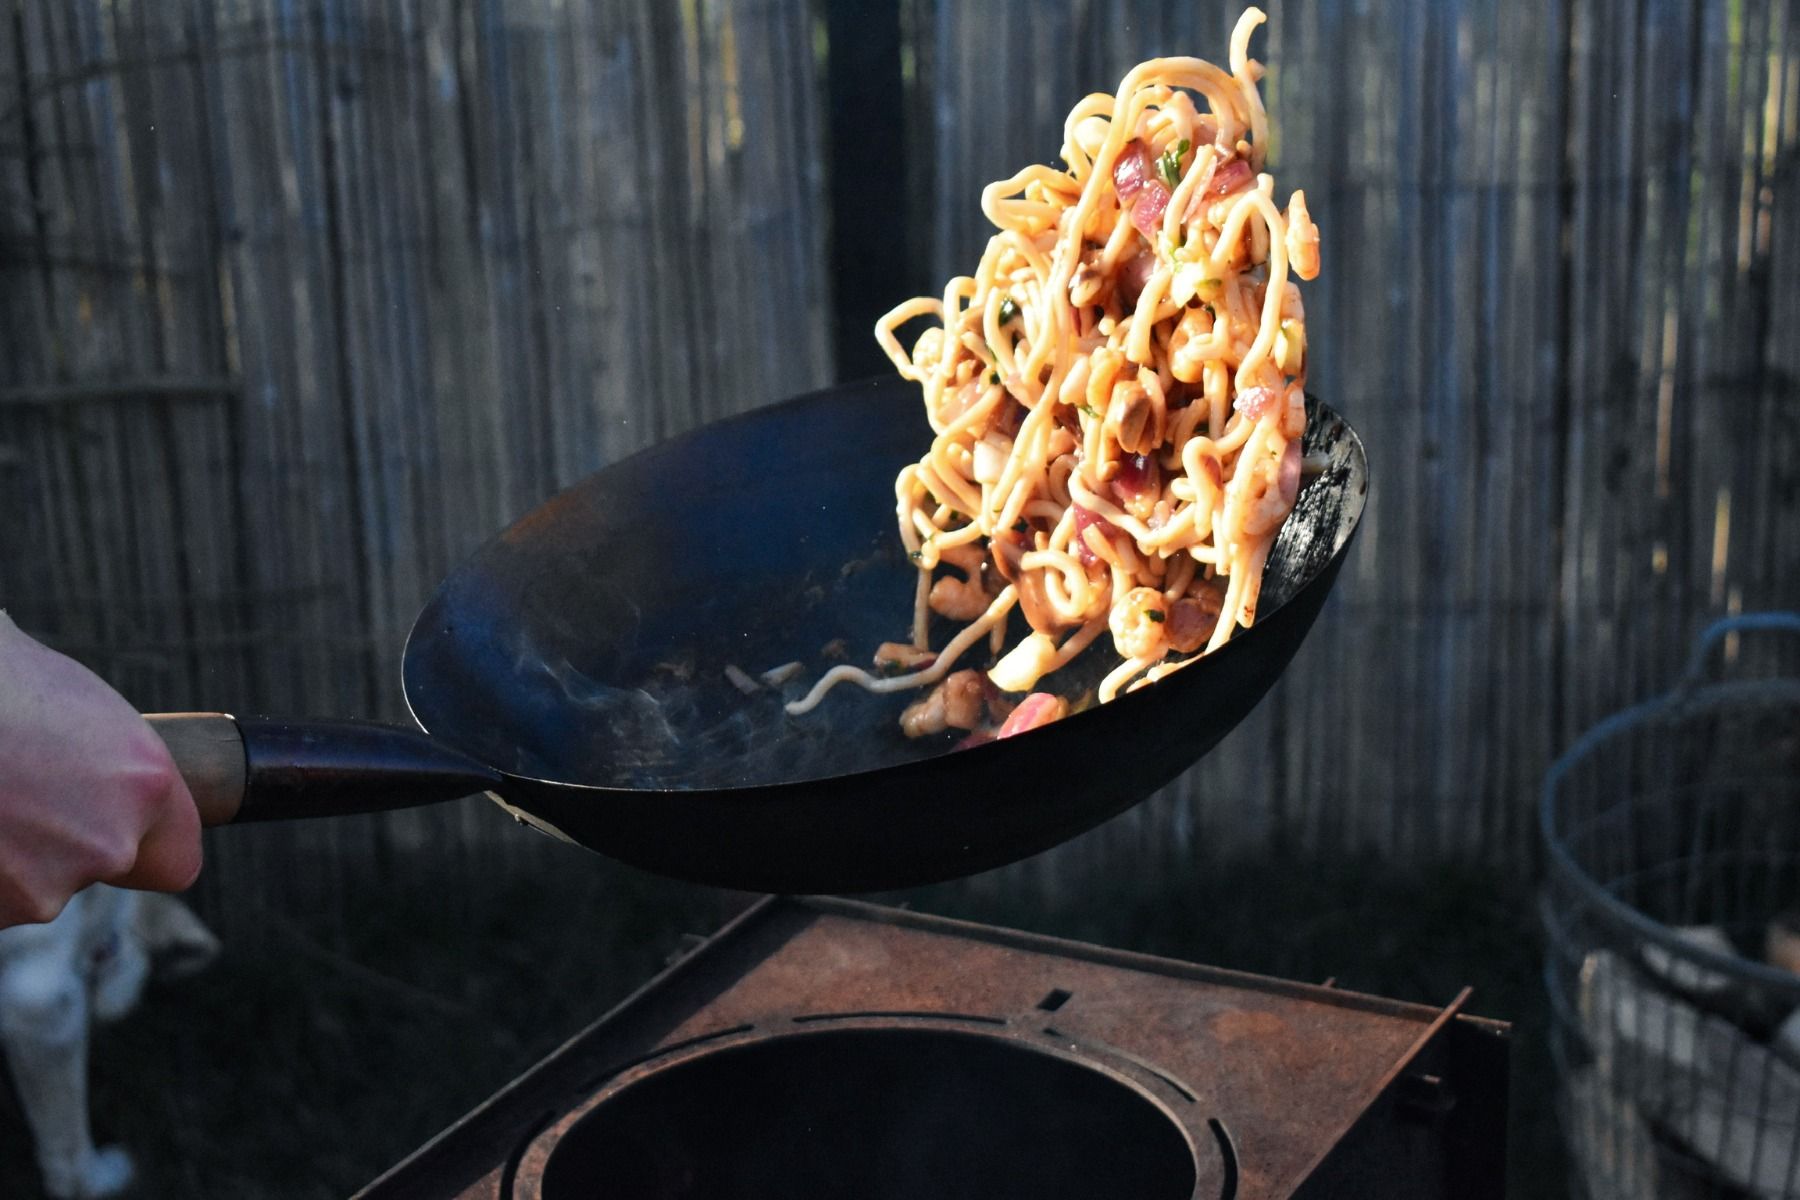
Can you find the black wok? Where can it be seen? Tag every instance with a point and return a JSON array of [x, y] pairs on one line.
[[574, 668]]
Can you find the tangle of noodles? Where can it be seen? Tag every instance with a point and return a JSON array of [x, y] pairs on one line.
[[1116, 394]]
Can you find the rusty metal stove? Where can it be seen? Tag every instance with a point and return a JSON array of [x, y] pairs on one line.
[[826, 1049]]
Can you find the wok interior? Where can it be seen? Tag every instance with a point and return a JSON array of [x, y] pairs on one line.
[[589, 644], [874, 1114]]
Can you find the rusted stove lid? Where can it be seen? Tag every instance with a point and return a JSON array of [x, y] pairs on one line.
[[1260, 1080]]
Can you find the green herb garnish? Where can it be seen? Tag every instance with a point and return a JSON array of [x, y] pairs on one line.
[[915, 555], [1169, 164], [889, 668], [1089, 410], [1020, 526], [1008, 310], [993, 377], [1155, 614]]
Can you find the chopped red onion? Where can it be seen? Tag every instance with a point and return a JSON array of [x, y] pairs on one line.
[[1134, 175], [1138, 475], [1147, 213], [1084, 519], [1230, 176], [1288, 479], [1132, 171]]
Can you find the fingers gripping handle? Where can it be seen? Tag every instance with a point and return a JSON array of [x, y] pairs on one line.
[[208, 749]]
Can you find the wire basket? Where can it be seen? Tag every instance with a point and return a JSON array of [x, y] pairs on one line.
[[1673, 838]]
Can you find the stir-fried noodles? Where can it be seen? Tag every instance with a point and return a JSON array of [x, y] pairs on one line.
[[1117, 397]]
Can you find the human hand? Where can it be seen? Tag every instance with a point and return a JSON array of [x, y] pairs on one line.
[[88, 792]]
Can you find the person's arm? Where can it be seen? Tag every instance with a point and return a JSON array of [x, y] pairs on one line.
[[88, 793]]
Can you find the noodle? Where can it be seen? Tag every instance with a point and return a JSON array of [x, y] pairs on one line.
[[1117, 394]]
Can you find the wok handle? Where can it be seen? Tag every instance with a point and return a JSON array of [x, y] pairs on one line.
[[208, 750], [258, 769]]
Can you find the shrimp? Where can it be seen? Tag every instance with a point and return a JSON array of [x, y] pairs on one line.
[[1137, 622]]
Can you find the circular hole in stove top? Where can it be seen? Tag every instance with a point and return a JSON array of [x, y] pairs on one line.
[[874, 1114]]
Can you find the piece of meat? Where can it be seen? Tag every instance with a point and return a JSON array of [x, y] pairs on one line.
[[956, 703], [896, 658], [1193, 618], [1034, 712]]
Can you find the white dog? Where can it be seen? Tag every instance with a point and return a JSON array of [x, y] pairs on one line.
[[90, 963]]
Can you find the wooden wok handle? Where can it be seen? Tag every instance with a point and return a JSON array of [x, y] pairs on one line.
[[259, 768], [208, 749]]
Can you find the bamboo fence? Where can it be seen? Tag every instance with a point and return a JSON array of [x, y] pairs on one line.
[[302, 299]]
